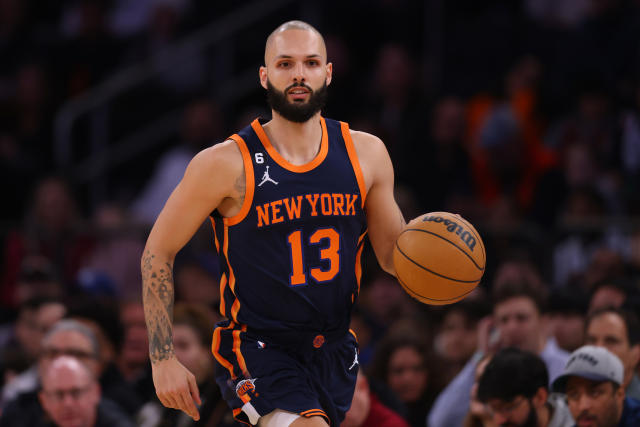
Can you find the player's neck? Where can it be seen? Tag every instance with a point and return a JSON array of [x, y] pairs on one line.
[[299, 143]]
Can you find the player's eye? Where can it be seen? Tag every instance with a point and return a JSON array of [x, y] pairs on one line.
[[284, 64], [312, 62]]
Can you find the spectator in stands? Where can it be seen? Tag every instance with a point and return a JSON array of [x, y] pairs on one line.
[[567, 312], [514, 386], [618, 330], [402, 362], [592, 382], [457, 339], [611, 292], [517, 321], [51, 229], [368, 411], [23, 344], [70, 396], [479, 415], [201, 126]]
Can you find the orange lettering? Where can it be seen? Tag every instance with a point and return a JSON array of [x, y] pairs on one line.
[[313, 203], [338, 203], [263, 214], [325, 206], [293, 210], [351, 199], [275, 212]]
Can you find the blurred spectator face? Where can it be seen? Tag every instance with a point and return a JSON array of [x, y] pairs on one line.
[[190, 351], [394, 71], [568, 330], [385, 299], [37, 279], [70, 394], [32, 325], [196, 285], [610, 331], [580, 167], [201, 124], [607, 296], [457, 340], [360, 405], [520, 323], [407, 374], [53, 205], [69, 343], [594, 403], [449, 121], [135, 350]]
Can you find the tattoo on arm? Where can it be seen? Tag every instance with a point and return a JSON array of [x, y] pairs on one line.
[[157, 297]]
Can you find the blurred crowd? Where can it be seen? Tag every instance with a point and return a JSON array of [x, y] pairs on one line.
[[522, 116]]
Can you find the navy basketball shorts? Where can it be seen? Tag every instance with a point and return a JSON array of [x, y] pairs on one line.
[[316, 377]]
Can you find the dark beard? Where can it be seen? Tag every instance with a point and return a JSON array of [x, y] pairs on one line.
[[297, 112], [531, 421]]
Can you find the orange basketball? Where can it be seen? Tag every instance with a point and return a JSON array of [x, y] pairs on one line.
[[439, 258]]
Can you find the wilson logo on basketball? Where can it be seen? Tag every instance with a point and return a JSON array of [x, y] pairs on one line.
[[245, 386], [453, 227]]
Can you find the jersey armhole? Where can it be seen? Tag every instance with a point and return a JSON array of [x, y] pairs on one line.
[[249, 182], [355, 163]]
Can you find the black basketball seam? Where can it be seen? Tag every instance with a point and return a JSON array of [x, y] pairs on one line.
[[471, 229], [444, 238], [411, 291], [433, 272]]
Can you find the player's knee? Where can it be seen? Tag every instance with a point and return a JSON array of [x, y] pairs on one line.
[[309, 422]]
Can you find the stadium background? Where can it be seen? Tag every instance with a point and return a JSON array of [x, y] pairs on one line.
[[523, 116]]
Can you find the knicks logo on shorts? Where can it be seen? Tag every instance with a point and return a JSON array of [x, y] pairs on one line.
[[246, 386]]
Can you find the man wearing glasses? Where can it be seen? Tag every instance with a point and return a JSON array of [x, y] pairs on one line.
[[514, 386], [70, 396]]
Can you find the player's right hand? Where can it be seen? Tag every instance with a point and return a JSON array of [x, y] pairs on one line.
[[176, 387]]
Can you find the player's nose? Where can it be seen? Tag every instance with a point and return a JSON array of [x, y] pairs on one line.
[[298, 73]]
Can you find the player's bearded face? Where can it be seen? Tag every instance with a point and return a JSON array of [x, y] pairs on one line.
[[297, 111]]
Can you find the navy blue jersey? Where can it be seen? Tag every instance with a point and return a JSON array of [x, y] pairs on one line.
[[291, 257]]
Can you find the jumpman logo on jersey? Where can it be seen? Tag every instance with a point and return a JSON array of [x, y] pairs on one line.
[[355, 361], [266, 177]]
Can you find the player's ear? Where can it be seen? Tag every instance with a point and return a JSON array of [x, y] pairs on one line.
[[262, 73], [329, 73]]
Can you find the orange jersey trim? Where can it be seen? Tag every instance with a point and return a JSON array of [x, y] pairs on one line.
[[352, 332], [358, 267], [236, 349], [313, 413], [232, 277], [322, 154], [237, 412], [223, 276], [353, 156], [215, 350], [249, 182]]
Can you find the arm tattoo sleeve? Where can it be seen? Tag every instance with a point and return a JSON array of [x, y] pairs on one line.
[[157, 297]]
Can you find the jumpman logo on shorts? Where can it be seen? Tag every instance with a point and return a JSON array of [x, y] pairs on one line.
[[266, 177], [355, 361]]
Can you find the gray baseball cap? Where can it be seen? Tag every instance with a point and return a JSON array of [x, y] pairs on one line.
[[593, 363]]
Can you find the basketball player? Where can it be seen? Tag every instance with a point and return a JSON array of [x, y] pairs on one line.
[[290, 201]]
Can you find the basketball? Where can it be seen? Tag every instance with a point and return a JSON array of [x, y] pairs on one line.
[[439, 258]]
